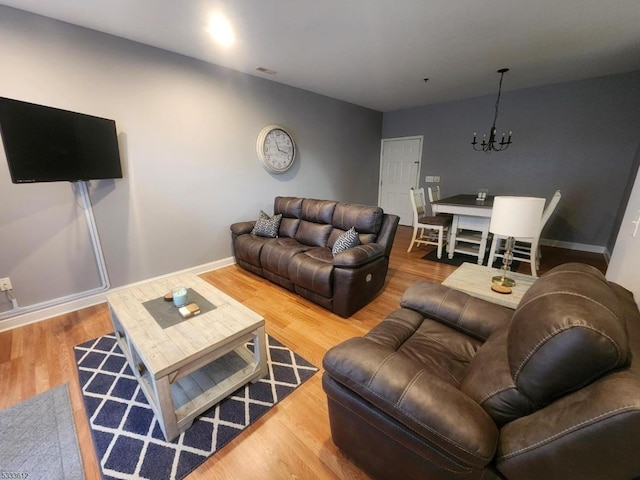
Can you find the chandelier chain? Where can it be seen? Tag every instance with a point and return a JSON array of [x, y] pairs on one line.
[[495, 116], [489, 145]]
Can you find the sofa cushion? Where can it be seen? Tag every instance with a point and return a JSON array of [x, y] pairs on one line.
[[456, 309], [290, 208], [318, 211], [288, 227], [312, 270], [438, 350], [364, 218], [442, 352], [249, 247], [313, 234], [277, 254], [315, 225], [267, 226], [348, 239]]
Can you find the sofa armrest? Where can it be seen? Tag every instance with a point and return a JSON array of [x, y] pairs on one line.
[[432, 408], [470, 315], [388, 232], [359, 255], [591, 433], [242, 227]]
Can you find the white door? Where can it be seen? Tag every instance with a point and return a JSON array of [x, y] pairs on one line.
[[399, 171], [625, 258]]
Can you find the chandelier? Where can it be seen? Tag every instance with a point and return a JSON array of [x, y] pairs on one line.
[[488, 145]]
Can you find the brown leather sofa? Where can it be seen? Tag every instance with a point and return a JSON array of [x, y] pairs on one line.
[[454, 387], [300, 258]]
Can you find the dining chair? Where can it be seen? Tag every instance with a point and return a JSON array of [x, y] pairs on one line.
[[427, 229], [434, 193], [434, 196], [526, 249]]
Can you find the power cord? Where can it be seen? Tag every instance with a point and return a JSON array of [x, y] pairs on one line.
[[14, 300]]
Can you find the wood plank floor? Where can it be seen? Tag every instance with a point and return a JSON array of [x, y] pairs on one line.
[[293, 439]]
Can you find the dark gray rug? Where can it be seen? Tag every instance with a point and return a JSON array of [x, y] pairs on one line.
[[38, 438]]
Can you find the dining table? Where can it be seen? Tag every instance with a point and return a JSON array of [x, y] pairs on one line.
[[469, 214]]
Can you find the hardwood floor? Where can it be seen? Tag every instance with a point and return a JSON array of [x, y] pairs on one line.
[[293, 439]]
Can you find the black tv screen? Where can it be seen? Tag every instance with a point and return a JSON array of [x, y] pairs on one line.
[[45, 144]]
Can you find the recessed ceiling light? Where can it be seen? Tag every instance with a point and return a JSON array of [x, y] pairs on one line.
[[221, 30]]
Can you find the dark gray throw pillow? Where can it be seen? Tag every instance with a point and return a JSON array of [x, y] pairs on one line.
[[267, 226], [348, 239]]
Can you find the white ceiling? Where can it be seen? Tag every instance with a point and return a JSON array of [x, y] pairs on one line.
[[375, 53]]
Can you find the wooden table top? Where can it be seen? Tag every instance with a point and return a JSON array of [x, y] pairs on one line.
[[466, 200], [475, 280], [170, 348]]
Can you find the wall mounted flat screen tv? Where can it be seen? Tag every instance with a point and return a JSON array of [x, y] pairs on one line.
[[45, 144]]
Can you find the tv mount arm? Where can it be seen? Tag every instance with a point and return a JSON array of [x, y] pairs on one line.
[[81, 189]]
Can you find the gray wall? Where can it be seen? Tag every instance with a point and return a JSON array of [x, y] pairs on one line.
[[187, 135], [579, 137]]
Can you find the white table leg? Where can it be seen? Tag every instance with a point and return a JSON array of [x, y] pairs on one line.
[[483, 242], [260, 353], [165, 408], [452, 236]]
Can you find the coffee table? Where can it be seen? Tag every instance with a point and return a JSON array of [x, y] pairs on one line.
[[476, 281], [186, 366]]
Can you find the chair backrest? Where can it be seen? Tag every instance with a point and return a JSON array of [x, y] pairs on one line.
[[548, 211], [568, 331], [434, 193], [418, 203]]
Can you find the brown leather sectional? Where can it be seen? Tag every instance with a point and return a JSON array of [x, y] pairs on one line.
[[453, 387], [300, 258]]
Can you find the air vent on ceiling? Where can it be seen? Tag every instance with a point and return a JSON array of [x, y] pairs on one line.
[[268, 71]]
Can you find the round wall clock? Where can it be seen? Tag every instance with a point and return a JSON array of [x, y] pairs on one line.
[[275, 148]]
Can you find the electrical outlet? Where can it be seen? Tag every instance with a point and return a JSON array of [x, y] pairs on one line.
[[5, 284]]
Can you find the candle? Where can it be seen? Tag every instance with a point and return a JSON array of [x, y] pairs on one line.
[[180, 296]]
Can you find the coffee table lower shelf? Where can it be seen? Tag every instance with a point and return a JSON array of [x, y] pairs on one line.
[[179, 396], [198, 391]]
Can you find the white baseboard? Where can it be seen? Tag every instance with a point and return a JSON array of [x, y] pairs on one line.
[[583, 247], [44, 313]]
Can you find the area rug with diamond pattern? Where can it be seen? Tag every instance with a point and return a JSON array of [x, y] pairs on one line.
[[126, 435]]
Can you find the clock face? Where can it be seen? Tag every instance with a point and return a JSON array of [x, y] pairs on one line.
[[276, 149]]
